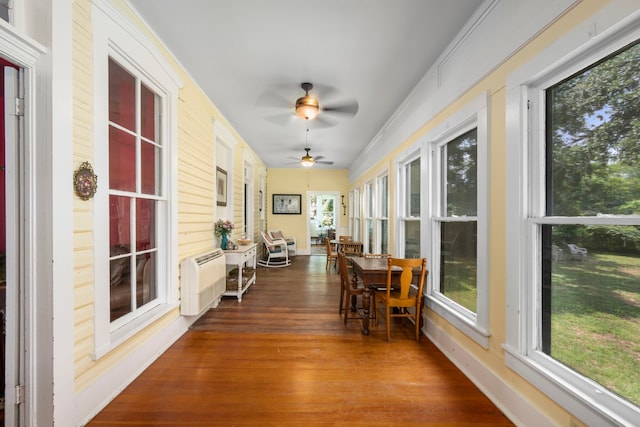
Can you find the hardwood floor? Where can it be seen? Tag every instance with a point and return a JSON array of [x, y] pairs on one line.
[[283, 357]]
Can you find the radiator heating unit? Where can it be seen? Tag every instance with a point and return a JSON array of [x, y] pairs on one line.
[[202, 283]]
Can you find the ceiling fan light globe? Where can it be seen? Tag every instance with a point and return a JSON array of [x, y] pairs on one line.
[[307, 161], [307, 107]]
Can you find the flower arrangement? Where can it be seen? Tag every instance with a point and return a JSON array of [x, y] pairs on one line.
[[223, 228]]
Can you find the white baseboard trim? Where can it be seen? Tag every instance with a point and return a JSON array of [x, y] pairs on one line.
[[98, 395], [516, 407]]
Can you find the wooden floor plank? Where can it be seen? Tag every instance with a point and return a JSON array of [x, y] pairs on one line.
[[283, 357]]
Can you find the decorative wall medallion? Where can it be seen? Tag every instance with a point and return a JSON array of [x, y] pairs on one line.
[[85, 182]]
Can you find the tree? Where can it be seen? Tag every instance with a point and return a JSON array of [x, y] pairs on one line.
[[594, 146]]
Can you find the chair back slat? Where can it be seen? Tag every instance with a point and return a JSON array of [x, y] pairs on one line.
[[352, 249], [377, 256]]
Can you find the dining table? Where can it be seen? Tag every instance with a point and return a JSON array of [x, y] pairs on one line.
[[373, 273]]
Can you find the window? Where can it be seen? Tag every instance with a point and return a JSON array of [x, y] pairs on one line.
[[135, 112], [457, 221], [135, 196], [577, 251], [354, 211], [409, 211], [376, 204], [368, 217], [382, 217], [5, 10]]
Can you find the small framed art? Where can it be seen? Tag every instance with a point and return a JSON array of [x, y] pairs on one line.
[[290, 204], [221, 186]]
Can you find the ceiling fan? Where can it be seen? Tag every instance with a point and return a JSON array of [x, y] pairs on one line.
[[308, 160], [321, 104], [308, 106]]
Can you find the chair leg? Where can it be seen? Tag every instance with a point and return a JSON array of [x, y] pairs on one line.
[[388, 319], [342, 291], [347, 308], [418, 319]]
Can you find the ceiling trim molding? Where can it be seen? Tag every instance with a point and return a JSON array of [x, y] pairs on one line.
[[448, 78]]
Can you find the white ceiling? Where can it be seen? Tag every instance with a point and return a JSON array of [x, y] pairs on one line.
[[250, 57]]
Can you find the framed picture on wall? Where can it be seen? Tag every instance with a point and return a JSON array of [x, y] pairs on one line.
[[221, 186], [287, 204]]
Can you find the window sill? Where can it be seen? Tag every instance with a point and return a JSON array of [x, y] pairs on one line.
[[133, 327], [585, 399], [462, 323]]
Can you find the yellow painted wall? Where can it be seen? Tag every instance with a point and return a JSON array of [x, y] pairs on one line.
[[195, 176], [299, 181], [495, 85]]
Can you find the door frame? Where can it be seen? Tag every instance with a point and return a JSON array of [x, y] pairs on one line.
[[336, 208], [24, 335]]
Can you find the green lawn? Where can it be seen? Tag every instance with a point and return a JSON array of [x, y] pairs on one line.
[[460, 284], [595, 326]]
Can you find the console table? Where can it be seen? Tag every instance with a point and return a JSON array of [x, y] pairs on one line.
[[244, 256]]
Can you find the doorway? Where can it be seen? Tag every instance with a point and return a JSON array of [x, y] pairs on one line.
[[323, 221], [12, 340]]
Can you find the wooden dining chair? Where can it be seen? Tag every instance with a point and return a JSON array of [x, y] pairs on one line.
[[332, 254], [351, 248], [402, 297], [343, 239], [374, 312], [349, 290]]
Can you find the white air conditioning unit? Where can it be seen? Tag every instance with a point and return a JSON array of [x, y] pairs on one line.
[[203, 281]]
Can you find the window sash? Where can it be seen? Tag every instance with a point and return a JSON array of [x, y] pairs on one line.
[[526, 211], [473, 115]]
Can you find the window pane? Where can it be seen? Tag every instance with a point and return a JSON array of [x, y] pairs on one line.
[[122, 160], [412, 239], [5, 10], [592, 140], [150, 169], [591, 303], [120, 284], [149, 114], [458, 264], [122, 97], [461, 179], [369, 225], [145, 224], [384, 196], [119, 221], [369, 201], [145, 278], [414, 188], [384, 236]]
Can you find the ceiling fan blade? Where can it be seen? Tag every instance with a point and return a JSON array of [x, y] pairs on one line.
[[282, 119], [323, 91], [321, 122], [325, 162], [348, 108], [271, 99]]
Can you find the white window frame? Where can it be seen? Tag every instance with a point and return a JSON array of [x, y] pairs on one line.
[[368, 204], [474, 325], [586, 399], [115, 37], [355, 209], [380, 201], [403, 199]]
